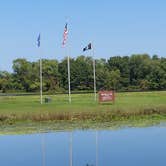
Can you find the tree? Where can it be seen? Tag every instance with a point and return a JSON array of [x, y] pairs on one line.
[[121, 64], [136, 72], [101, 73], [82, 73], [26, 75], [5, 81], [140, 67], [51, 75], [113, 79]]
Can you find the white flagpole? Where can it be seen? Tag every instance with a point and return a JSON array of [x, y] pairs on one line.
[[41, 83], [94, 73], [40, 64], [68, 69], [68, 60]]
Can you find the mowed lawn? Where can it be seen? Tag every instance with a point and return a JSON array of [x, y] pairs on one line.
[[133, 101]]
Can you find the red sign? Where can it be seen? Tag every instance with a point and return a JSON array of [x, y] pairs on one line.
[[106, 96]]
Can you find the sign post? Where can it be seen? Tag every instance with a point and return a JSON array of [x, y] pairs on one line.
[[106, 96]]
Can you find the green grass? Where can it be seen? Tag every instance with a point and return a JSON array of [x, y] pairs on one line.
[[130, 107], [82, 103]]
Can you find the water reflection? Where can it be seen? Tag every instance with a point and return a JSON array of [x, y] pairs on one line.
[[43, 149], [129, 147], [44, 152], [71, 149], [96, 148]]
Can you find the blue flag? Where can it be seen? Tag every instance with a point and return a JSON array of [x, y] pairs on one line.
[[38, 41]]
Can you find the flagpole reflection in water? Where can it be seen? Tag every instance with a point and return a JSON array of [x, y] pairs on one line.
[[43, 148], [97, 146], [71, 149]]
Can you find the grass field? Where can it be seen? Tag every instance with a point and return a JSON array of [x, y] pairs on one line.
[[128, 106], [132, 101]]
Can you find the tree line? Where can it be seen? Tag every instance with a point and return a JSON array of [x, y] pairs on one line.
[[123, 73]]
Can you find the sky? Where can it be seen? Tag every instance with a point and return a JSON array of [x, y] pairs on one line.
[[116, 27]]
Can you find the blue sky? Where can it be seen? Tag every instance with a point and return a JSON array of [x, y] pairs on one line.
[[116, 27]]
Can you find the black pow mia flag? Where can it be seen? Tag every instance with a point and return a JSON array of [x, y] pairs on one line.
[[88, 47]]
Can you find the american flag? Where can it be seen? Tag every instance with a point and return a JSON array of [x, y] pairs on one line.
[[65, 35]]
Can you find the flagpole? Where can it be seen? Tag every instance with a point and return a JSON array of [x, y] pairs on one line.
[[40, 64], [94, 73], [68, 69], [68, 60], [41, 83]]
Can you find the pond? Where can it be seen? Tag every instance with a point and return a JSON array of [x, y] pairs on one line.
[[123, 147]]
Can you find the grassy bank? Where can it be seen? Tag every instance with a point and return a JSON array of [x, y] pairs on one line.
[[51, 126], [128, 107]]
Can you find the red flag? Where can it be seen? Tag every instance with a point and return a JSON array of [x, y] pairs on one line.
[[65, 35]]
